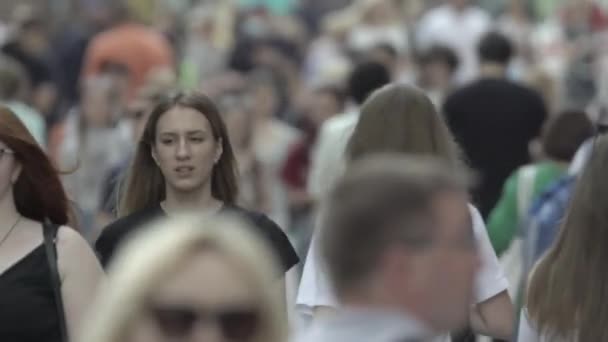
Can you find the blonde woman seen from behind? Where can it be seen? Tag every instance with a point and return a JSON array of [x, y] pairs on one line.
[[402, 119], [190, 278], [566, 296]]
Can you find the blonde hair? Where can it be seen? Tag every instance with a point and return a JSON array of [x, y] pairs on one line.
[[399, 118], [567, 294], [152, 256]]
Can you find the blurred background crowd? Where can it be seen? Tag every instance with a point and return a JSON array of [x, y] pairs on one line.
[[83, 76]]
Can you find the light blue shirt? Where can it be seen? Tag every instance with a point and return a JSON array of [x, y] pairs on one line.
[[32, 120]]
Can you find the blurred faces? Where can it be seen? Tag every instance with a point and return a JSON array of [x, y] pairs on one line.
[[34, 40], [239, 126], [206, 300], [102, 103], [442, 276], [265, 101], [186, 150], [459, 4], [382, 55], [96, 109], [381, 13], [437, 74], [324, 106], [9, 170], [139, 112]]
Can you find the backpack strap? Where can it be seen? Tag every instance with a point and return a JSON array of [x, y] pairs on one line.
[[50, 237]]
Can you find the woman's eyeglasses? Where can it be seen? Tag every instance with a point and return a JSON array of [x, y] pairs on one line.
[[179, 321], [4, 151]]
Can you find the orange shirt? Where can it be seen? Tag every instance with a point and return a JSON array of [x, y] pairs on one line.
[[139, 48]]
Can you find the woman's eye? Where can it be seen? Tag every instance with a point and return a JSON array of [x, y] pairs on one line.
[[196, 139], [166, 141]]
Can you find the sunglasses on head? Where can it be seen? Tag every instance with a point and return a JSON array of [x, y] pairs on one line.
[[179, 321]]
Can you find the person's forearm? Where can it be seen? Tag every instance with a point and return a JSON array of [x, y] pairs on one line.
[[494, 317]]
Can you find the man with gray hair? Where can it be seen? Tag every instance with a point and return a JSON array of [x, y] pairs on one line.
[[400, 251]]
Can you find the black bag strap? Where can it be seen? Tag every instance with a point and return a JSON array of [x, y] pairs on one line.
[[50, 236]]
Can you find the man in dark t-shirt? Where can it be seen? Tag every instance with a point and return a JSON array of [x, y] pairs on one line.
[[494, 120]]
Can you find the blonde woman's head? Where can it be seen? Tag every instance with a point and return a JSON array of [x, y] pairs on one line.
[[190, 278], [399, 118]]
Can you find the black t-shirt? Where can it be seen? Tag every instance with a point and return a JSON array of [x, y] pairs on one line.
[[114, 234], [494, 121]]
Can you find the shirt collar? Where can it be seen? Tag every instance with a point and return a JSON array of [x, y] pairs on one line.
[[385, 325]]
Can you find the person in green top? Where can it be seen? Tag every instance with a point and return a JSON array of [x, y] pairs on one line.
[[562, 135]]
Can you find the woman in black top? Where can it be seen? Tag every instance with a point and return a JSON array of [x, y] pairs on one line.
[[184, 162], [30, 192]]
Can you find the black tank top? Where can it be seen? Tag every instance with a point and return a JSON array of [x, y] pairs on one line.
[[27, 302]]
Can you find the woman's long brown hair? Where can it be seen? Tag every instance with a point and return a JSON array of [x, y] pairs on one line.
[[145, 183], [38, 192], [568, 290], [400, 118]]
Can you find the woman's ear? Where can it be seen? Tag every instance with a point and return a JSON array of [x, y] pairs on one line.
[[154, 155], [16, 173], [218, 150]]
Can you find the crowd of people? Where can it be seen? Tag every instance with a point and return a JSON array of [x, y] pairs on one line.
[[303, 170]]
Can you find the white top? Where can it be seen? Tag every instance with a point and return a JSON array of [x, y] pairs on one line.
[[364, 325], [458, 30], [326, 63], [328, 164], [581, 157], [271, 147], [315, 289], [364, 37], [328, 160]]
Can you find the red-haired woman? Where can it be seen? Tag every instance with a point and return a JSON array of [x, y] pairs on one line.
[[30, 193]]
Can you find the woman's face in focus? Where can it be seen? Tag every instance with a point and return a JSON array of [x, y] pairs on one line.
[[205, 300], [186, 149]]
